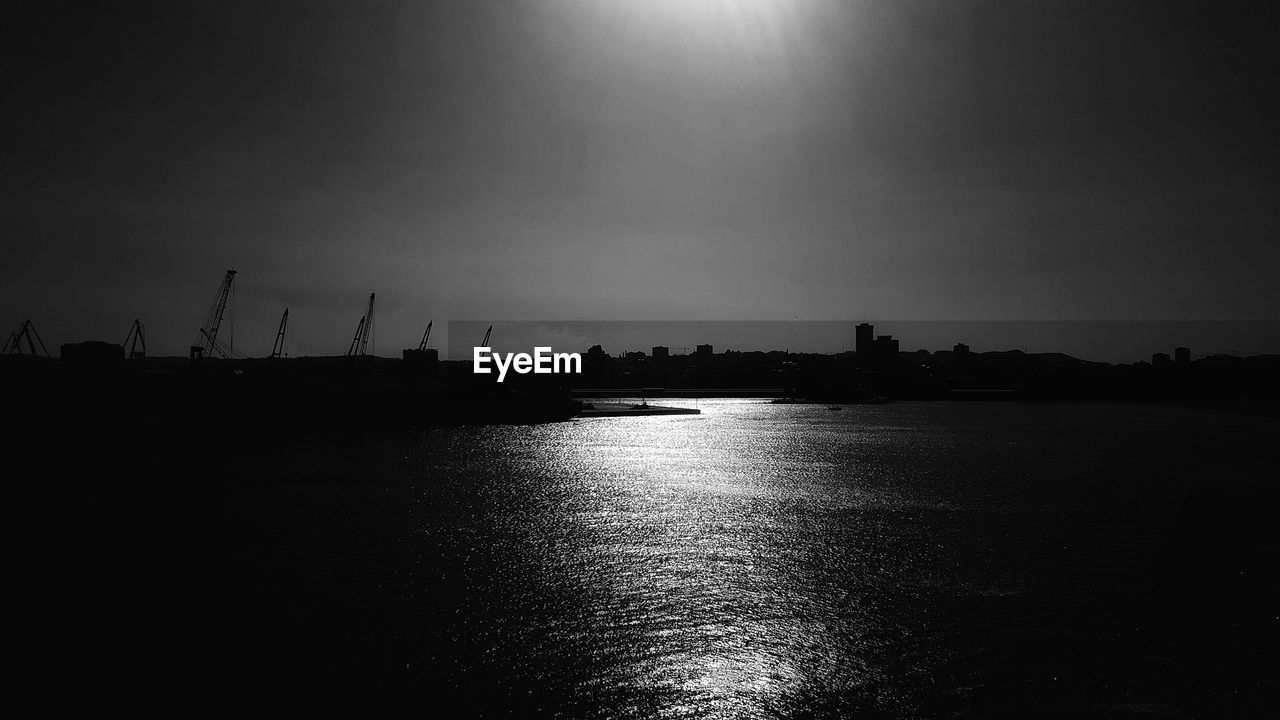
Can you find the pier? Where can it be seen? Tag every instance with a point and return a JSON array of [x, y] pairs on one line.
[[609, 409]]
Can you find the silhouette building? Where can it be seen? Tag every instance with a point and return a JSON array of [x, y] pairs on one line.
[[429, 356], [91, 352], [1182, 355], [1160, 359], [886, 349], [661, 352], [704, 351], [864, 339]]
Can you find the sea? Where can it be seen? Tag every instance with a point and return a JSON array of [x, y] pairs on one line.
[[758, 560]]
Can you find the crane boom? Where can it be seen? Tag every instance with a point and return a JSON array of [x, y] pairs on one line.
[[364, 332], [137, 336], [355, 341], [26, 331], [426, 336], [368, 328], [207, 339], [487, 333], [277, 348]]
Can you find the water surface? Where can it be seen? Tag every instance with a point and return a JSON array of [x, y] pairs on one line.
[[758, 560]]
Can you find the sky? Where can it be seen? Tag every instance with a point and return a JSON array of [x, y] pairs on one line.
[[644, 160]]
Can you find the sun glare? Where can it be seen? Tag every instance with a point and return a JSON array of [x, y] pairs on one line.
[[749, 34]]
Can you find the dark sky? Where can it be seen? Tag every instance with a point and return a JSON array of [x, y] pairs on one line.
[[669, 159]]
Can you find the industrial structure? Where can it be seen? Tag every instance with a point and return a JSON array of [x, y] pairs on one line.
[[426, 336], [206, 341], [422, 355], [25, 332], [364, 330], [277, 348], [136, 340]]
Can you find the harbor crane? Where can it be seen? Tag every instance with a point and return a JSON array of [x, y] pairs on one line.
[[277, 348], [26, 331], [137, 337], [207, 339], [364, 330], [351, 349], [425, 336]]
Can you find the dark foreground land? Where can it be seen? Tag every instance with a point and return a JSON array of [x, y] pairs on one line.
[[162, 572]]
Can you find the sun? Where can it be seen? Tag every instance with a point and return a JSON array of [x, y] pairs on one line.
[[730, 40]]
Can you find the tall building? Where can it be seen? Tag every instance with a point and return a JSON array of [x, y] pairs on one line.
[[661, 352], [704, 351], [1182, 355], [864, 340]]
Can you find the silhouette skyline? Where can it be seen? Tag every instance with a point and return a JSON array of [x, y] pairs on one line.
[[1110, 342]]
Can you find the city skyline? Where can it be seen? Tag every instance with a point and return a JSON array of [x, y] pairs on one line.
[[1106, 342]]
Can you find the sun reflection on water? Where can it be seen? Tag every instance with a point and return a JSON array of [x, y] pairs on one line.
[[709, 551]]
